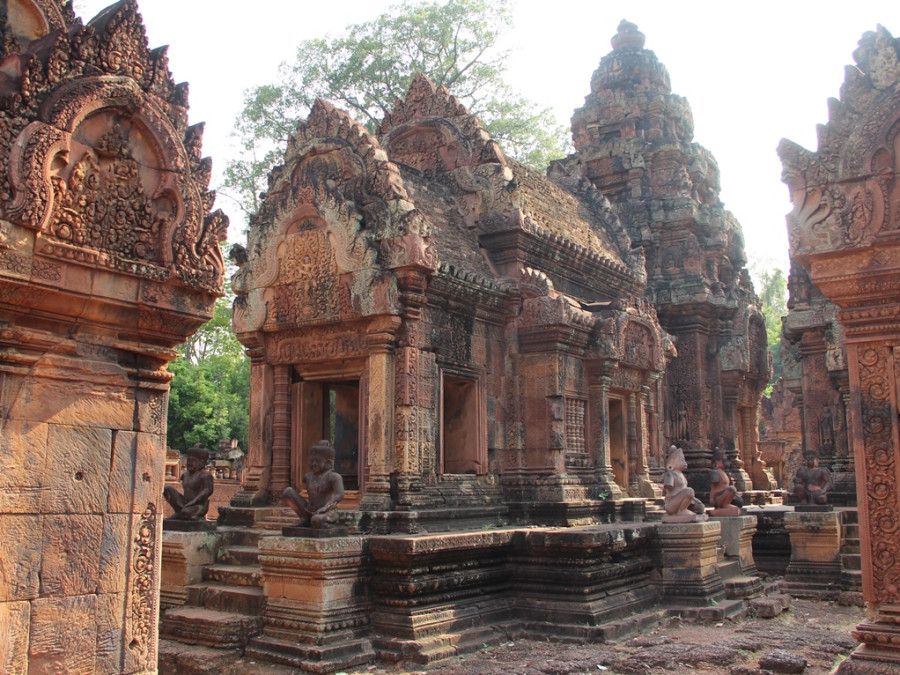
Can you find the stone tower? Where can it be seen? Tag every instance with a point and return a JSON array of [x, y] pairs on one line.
[[633, 141]]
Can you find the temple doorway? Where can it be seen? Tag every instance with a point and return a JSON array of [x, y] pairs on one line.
[[330, 411], [618, 447]]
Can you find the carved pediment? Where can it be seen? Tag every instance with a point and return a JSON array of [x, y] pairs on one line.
[[430, 130], [98, 158], [844, 195]]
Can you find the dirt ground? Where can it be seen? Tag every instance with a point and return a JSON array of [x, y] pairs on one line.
[[816, 631]]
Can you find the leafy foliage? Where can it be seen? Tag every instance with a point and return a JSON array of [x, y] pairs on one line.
[[209, 397], [773, 295], [367, 67]]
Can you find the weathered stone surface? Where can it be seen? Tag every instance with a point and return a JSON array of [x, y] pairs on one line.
[[114, 553], [689, 557], [121, 472], [20, 557], [780, 661], [770, 606], [78, 459], [63, 635], [70, 564], [737, 538], [15, 624], [110, 619], [22, 465], [183, 556]]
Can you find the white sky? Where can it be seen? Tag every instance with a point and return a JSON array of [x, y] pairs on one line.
[[751, 75]]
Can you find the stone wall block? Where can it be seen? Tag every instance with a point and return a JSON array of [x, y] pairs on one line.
[[121, 472], [110, 619], [150, 459], [71, 560], [115, 286], [63, 636], [15, 622], [80, 461], [20, 557], [114, 553], [150, 409], [22, 466], [83, 403], [737, 539]]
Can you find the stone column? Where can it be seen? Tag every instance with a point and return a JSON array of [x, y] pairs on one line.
[[599, 392], [850, 184], [380, 413], [633, 441], [652, 398], [258, 462]]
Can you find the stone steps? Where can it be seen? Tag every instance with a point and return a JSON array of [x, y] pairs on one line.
[[437, 647], [225, 597], [239, 555], [628, 626], [310, 658], [233, 575], [224, 611], [213, 628], [184, 659]]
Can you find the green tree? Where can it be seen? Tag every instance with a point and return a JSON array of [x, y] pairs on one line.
[[209, 396], [773, 296], [363, 70]]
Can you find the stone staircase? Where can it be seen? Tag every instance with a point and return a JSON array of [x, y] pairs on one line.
[[224, 610], [851, 562]]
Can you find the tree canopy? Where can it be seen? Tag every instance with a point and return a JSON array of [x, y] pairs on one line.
[[209, 396], [773, 296], [369, 65]]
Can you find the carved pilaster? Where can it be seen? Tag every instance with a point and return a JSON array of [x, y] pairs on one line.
[[281, 430], [380, 370], [599, 390]]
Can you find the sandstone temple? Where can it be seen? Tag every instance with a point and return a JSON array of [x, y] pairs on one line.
[[500, 359]]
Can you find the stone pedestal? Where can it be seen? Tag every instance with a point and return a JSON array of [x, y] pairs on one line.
[[877, 653], [737, 539], [183, 556], [689, 562], [318, 605], [815, 567], [440, 595]]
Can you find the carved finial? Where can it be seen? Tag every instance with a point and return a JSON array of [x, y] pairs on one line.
[[628, 35]]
